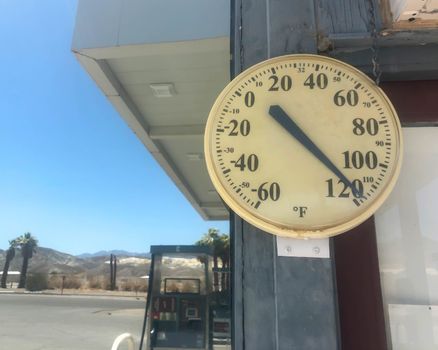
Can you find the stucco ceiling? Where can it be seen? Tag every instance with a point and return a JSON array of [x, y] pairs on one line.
[[170, 127]]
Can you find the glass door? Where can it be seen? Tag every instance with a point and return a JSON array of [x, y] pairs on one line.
[[407, 240]]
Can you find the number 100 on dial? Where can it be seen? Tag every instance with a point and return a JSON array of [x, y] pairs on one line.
[[303, 146]]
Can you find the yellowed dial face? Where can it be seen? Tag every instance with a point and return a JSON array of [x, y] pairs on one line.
[[303, 146]]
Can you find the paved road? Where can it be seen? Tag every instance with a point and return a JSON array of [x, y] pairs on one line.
[[43, 322]]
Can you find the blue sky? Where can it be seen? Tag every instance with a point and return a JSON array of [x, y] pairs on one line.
[[71, 172]]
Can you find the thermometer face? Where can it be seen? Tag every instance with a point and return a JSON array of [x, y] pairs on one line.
[[303, 146]]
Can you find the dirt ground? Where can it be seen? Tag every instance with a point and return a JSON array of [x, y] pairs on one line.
[[90, 292]]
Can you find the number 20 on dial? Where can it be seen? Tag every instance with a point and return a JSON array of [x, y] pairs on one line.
[[303, 146]]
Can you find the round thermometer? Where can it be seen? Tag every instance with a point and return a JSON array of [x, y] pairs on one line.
[[303, 146]]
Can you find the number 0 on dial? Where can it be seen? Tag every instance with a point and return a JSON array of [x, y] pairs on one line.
[[303, 146]]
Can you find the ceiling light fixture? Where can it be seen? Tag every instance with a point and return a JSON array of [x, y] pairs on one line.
[[163, 89], [195, 156]]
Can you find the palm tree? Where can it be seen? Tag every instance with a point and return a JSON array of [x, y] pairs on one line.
[[224, 255], [10, 253], [27, 244], [220, 245]]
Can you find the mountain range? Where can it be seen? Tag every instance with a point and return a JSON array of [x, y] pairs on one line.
[[114, 252], [50, 261]]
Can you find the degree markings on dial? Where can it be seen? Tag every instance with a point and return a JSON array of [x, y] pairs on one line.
[[357, 85]]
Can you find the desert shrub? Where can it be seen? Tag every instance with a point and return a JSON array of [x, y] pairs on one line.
[[95, 282], [37, 282], [128, 286], [133, 286], [143, 288], [106, 284], [72, 282], [55, 281]]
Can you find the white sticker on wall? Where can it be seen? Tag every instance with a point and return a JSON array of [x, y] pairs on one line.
[[305, 248]]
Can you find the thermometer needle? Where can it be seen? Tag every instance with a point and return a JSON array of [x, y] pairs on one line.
[[281, 117]]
